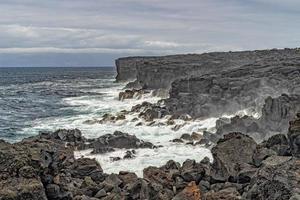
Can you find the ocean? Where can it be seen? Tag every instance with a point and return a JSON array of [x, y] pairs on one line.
[[46, 99]]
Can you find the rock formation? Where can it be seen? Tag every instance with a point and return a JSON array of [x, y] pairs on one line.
[[161, 71], [275, 117]]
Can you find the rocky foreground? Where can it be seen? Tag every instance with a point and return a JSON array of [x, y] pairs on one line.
[[44, 167]]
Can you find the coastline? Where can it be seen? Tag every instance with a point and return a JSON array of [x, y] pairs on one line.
[[236, 111]]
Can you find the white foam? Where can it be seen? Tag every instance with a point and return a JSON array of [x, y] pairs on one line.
[[147, 157], [93, 107]]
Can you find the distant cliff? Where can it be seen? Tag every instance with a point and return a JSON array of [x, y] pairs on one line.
[[212, 83], [159, 72]]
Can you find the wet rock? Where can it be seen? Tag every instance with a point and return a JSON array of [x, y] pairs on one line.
[[149, 115], [178, 126], [129, 154], [107, 118], [276, 113], [129, 94], [186, 137], [135, 119], [115, 159], [141, 107], [139, 124], [205, 142], [196, 136], [84, 167], [170, 122], [118, 140], [177, 140]]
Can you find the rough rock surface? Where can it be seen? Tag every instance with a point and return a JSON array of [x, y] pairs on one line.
[[44, 167], [229, 156], [275, 117], [233, 90], [161, 71], [118, 140]]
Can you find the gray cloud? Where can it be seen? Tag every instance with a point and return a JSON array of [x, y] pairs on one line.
[[112, 28]]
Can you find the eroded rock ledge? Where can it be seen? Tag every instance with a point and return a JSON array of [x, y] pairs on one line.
[[44, 167], [160, 71]]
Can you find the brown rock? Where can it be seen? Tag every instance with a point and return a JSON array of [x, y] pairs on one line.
[[190, 192]]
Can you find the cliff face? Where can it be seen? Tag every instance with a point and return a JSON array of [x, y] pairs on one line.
[[231, 91], [126, 69], [211, 84], [160, 71]]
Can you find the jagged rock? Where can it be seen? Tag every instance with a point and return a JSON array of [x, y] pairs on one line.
[[83, 167], [128, 177], [260, 154], [230, 152], [115, 158], [149, 114], [141, 107], [22, 188], [278, 178], [178, 126], [177, 140], [129, 154], [192, 171], [170, 122], [278, 143], [196, 136], [186, 137], [229, 82], [276, 113], [159, 176], [101, 193], [190, 192], [118, 140], [294, 136], [225, 194], [129, 94]]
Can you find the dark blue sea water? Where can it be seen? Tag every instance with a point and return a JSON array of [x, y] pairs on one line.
[[29, 95]]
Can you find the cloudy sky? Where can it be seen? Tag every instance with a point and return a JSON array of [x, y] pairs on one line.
[[95, 32]]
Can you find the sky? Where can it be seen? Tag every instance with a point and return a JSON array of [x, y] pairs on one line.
[[96, 32]]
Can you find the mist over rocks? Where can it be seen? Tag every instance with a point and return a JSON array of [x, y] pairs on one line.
[[275, 116]]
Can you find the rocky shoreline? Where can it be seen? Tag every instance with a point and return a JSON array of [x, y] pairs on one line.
[[255, 155], [44, 167]]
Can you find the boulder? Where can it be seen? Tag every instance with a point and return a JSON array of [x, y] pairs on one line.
[[224, 194], [294, 136], [278, 178], [190, 192], [120, 140], [231, 151]]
